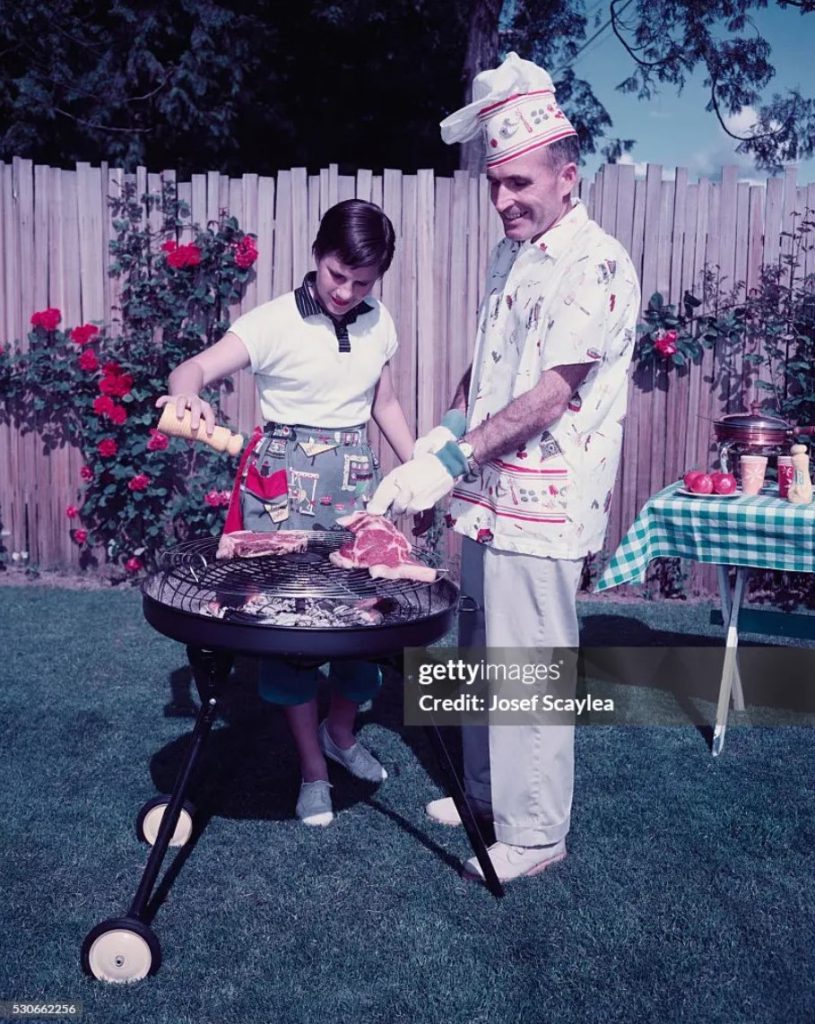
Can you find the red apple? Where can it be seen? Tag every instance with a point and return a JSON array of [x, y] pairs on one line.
[[702, 484], [690, 476], [723, 483]]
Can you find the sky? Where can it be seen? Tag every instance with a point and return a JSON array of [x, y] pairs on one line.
[[677, 131]]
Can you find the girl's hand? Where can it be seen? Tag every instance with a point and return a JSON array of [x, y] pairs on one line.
[[199, 409]]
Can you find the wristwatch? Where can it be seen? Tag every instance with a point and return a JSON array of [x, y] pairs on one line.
[[472, 466]]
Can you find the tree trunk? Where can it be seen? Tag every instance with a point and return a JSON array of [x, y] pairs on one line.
[[482, 53]]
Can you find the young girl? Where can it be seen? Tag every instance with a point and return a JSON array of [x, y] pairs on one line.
[[321, 358]]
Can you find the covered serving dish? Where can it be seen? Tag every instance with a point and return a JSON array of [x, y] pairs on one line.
[[754, 433]]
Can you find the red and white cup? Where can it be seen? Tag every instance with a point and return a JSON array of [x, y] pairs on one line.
[[785, 474]]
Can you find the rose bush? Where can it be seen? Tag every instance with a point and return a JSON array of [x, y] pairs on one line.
[[95, 385]]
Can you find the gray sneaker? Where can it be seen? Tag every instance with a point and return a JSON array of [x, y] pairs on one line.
[[357, 760], [314, 803]]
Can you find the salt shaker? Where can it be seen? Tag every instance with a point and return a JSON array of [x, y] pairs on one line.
[[800, 492]]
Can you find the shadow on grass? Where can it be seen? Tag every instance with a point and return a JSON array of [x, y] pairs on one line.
[[248, 769]]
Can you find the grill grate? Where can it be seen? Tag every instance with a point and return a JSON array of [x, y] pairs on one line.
[[191, 579]]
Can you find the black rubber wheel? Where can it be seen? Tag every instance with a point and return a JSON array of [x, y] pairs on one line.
[[121, 950]]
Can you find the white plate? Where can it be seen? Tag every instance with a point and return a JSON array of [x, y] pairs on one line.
[[738, 493]]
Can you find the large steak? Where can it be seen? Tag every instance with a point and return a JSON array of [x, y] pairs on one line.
[[253, 544], [380, 548]]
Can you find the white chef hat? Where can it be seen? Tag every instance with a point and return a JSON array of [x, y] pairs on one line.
[[515, 106]]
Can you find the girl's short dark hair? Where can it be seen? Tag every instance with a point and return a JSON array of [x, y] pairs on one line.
[[359, 233]]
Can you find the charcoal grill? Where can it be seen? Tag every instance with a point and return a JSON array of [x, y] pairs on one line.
[[220, 608], [178, 602]]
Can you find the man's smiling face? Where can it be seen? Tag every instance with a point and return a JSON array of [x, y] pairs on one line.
[[529, 195]]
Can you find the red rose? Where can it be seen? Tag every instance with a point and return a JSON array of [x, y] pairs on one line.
[[103, 405], [665, 345], [107, 447], [72, 511], [140, 482], [47, 319], [118, 415], [193, 255], [670, 336], [184, 256], [88, 361], [111, 369], [169, 246], [213, 499], [86, 473], [246, 252], [133, 564], [80, 536], [82, 335], [158, 441], [114, 382]]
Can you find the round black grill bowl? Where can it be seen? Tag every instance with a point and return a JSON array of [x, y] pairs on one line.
[[178, 600]]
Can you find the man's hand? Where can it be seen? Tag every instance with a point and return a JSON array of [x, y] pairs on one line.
[[412, 487], [432, 441], [450, 429]]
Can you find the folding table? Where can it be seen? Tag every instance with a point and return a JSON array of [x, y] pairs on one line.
[[748, 532]]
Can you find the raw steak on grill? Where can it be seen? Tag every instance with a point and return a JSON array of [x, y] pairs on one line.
[[380, 548], [253, 544]]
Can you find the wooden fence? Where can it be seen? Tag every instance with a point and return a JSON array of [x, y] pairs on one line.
[[54, 233]]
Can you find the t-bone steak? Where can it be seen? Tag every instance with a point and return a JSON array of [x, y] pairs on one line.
[[380, 548], [253, 544]]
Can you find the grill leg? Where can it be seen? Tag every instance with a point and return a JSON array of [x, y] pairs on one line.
[[211, 671], [477, 843]]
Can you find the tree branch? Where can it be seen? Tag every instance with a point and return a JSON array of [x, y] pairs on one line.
[[137, 99], [739, 138], [631, 52], [101, 127]]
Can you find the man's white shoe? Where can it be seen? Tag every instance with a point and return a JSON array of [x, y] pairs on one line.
[[444, 811], [511, 862]]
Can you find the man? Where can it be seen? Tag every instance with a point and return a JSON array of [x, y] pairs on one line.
[[531, 478]]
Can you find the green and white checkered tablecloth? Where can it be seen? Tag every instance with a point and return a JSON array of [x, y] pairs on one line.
[[762, 531]]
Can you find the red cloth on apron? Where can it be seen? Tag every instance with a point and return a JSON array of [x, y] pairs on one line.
[[234, 516]]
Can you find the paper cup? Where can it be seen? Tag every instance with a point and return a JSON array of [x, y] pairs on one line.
[[752, 472], [785, 475]]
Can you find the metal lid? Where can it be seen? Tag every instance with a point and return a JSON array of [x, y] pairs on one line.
[[756, 424], [755, 419]]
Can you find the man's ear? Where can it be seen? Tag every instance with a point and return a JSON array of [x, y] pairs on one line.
[[568, 177]]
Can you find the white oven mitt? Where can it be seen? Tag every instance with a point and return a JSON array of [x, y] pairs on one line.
[[420, 483], [451, 428]]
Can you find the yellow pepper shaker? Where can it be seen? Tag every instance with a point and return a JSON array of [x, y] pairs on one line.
[[221, 439], [800, 492]]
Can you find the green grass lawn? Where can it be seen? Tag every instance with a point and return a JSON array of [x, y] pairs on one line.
[[687, 895]]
